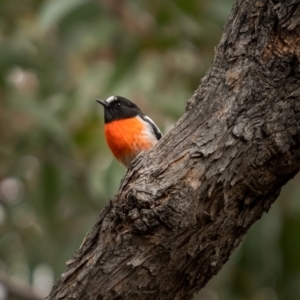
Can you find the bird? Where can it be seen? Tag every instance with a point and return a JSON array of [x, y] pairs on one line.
[[128, 131]]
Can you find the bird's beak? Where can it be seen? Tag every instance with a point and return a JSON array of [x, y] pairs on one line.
[[102, 102]]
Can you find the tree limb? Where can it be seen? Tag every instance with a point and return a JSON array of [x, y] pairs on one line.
[[185, 205]]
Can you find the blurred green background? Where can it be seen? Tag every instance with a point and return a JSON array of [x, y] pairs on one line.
[[56, 172]]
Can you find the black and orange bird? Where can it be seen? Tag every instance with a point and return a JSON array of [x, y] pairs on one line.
[[128, 131]]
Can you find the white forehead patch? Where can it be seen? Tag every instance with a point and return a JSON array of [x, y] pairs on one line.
[[110, 99]]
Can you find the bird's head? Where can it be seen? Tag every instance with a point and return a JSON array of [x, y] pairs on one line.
[[117, 108]]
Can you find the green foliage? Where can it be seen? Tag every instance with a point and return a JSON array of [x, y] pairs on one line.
[[56, 172]]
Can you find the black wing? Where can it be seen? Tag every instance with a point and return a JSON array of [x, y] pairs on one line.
[[155, 129]]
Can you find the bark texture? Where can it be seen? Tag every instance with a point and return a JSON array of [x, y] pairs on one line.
[[185, 205]]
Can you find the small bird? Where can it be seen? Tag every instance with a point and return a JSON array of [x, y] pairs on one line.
[[128, 131]]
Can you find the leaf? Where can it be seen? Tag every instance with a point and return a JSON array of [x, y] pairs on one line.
[[45, 119], [55, 11]]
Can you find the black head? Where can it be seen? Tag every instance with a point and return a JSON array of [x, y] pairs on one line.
[[117, 108]]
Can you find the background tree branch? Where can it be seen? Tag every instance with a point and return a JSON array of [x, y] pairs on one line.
[[18, 290], [185, 206]]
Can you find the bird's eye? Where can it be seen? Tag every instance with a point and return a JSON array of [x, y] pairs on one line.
[[117, 104]]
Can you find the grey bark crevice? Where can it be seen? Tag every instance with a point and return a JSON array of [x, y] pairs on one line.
[[185, 205]]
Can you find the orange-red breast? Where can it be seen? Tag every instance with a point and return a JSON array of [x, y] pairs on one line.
[[128, 131]]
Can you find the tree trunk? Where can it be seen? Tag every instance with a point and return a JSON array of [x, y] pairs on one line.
[[185, 205]]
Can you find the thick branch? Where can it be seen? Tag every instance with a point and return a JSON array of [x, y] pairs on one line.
[[185, 206]]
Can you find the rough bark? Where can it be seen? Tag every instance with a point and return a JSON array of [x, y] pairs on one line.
[[185, 206]]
